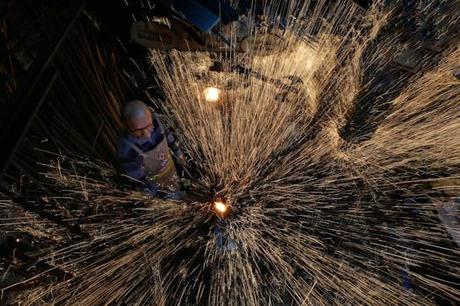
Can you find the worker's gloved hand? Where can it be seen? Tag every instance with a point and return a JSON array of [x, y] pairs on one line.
[[151, 188], [176, 195]]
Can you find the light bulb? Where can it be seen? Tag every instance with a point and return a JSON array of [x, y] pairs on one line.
[[211, 94]]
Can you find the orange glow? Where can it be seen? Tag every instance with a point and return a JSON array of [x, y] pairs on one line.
[[220, 207]]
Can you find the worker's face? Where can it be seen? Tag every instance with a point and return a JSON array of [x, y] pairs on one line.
[[141, 127]]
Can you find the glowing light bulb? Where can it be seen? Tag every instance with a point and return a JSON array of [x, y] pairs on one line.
[[220, 207], [18, 240], [211, 94]]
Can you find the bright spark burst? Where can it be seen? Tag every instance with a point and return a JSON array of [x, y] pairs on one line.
[[220, 207], [318, 218]]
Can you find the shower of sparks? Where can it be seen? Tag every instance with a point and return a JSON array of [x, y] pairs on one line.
[[220, 207], [317, 219]]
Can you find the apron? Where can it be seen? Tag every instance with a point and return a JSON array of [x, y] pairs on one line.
[[159, 165]]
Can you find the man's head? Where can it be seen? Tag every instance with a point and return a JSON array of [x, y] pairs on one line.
[[138, 119]]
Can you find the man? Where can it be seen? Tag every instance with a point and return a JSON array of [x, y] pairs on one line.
[[144, 153]]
